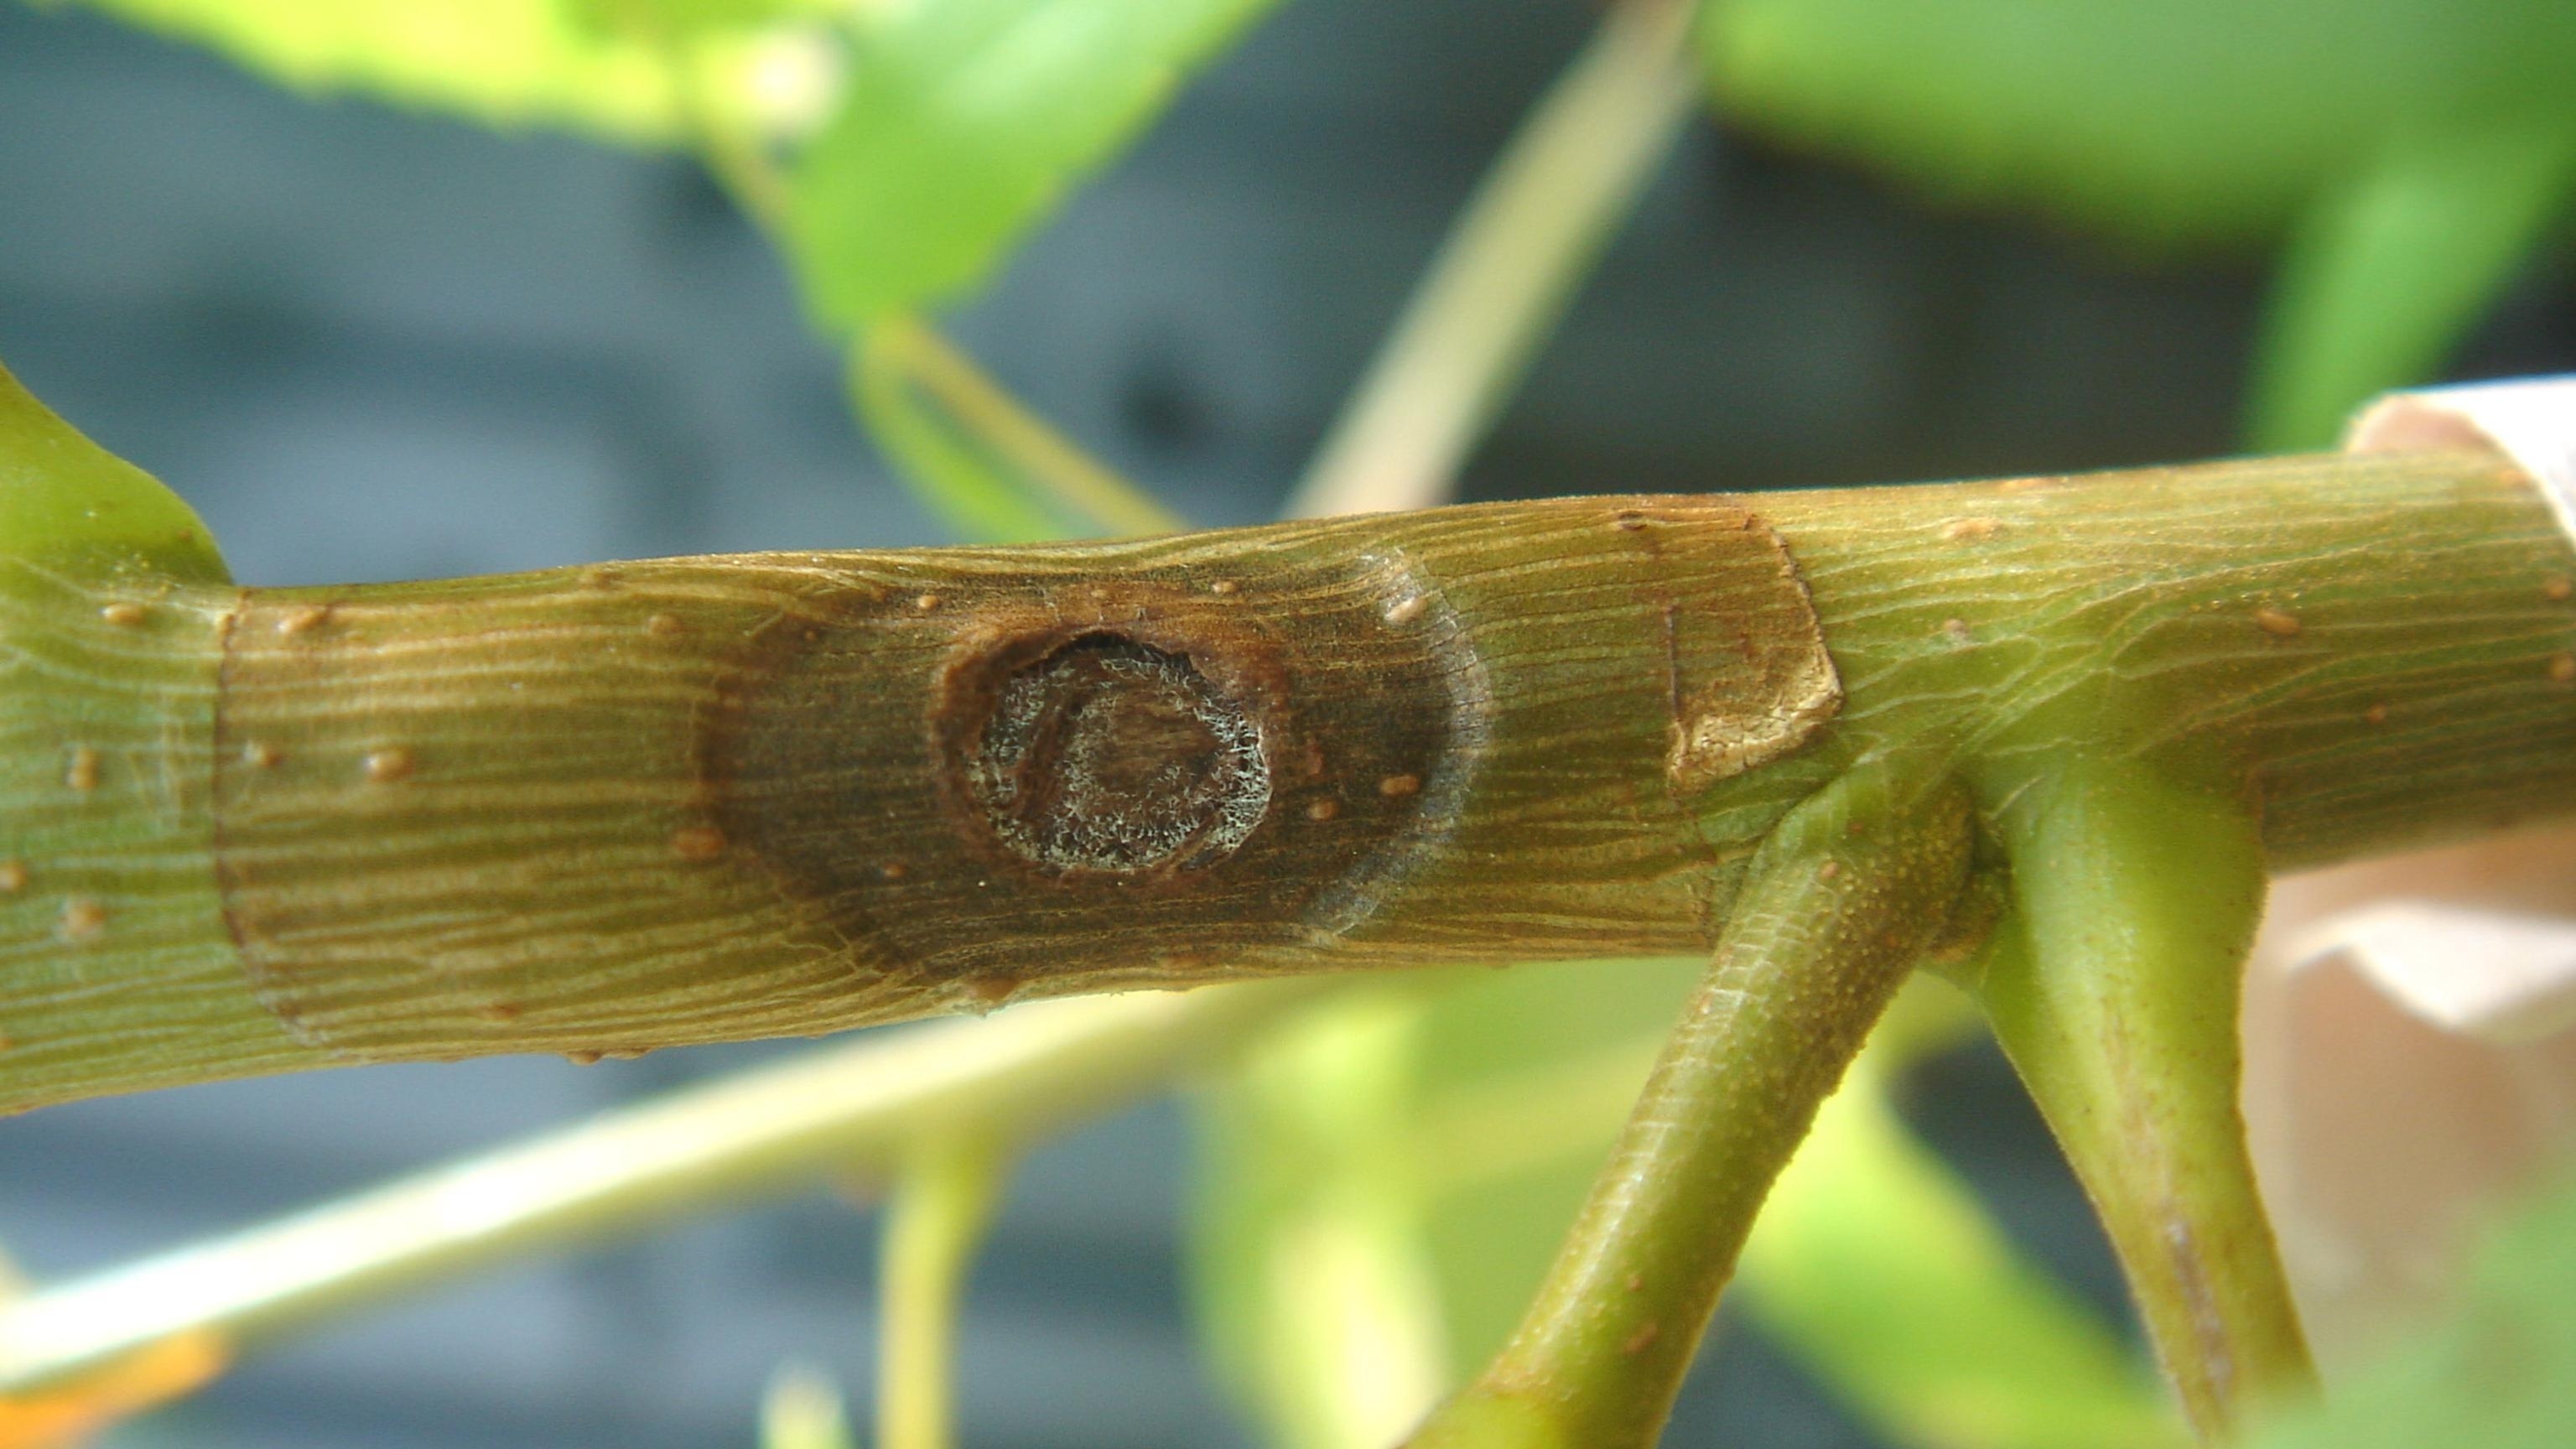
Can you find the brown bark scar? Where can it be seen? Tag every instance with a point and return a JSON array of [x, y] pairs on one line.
[[1773, 702]]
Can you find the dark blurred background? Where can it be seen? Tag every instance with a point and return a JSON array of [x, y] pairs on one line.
[[369, 345]]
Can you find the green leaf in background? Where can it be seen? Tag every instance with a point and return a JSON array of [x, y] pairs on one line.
[[965, 122], [643, 72], [503, 62], [2499, 1372], [2193, 122], [2160, 120], [1381, 1184], [1308, 1259], [1525, 1078], [2386, 272], [70, 507], [1874, 1263], [647, 17]]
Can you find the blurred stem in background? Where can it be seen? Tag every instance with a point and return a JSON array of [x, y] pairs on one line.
[[982, 461], [1510, 266], [864, 1107], [943, 1201]]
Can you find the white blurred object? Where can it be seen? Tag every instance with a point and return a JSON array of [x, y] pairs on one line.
[[2410, 1023], [2408, 1067], [2531, 420], [2500, 975]]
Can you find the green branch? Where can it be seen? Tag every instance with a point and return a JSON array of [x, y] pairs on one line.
[[1875, 1263], [636, 805], [1840, 902], [2136, 904]]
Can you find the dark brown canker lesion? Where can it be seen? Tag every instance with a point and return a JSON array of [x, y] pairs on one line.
[[1106, 772]]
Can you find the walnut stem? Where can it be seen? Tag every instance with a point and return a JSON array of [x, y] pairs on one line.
[[636, 805]]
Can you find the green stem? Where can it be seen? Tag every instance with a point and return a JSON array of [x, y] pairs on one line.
[[2137, 902], [1841, 900], [1509, 267], [941, 1205], [693, 800]]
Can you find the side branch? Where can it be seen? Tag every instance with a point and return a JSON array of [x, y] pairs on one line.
[[1843, 898], [2115, 992]]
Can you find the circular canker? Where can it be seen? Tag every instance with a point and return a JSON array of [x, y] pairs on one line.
[[1112, 755]]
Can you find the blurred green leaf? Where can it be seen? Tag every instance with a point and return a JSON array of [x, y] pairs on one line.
[[1872, 1262], [1525, 1078], [503, 62], [648, 17], [2416, 147], [964, 122], [2387, 271], [1381, 1187], [2162, 120], [1875, 1264], [1308, 1260], [2499, 1372], [801, 1409]]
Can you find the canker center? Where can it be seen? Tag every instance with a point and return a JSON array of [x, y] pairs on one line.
[[1112, 755]]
